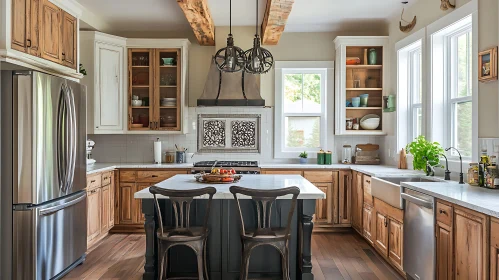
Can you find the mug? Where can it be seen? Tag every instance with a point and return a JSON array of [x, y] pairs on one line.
[[188, 157]]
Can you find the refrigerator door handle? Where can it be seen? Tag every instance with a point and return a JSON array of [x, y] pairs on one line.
[[72, 129], [61, 140], [52, 210]]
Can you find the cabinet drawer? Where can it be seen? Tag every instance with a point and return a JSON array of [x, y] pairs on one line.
[[444, 213], [93, 181], [283, 172], [106, 178], [367, 184], [155, 176], [319, 176], [128, 176]]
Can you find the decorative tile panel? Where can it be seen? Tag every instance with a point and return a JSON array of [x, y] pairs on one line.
[[233, 133], [213, 133], [243, 134]]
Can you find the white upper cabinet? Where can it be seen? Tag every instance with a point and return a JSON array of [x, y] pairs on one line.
[[103, 57], [361, 71]]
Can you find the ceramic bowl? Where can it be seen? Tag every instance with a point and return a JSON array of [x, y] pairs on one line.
[[168, 61], [136, 103], [370, 122]]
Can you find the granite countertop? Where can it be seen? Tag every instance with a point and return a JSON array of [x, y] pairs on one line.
[[482, 200], [100, 167], [186, 182], [371, 170]]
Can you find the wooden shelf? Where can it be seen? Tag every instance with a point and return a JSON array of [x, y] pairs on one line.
[[364, 89], [168, 66], [140, 86], [364, 66], [364, 132], [364, 108], [168, 107], [140, 107], [140, 66], [168, 86]]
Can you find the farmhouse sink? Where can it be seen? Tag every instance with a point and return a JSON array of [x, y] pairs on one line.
[[388, 188]]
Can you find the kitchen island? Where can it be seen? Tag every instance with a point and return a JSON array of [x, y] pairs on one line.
[[224, 245]]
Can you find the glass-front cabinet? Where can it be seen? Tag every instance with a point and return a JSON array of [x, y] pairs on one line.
[[156, 89]]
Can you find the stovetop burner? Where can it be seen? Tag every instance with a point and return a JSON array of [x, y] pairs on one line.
[[226, 164]]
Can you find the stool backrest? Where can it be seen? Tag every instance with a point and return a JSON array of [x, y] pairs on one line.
[[181, 199], [264, 199]]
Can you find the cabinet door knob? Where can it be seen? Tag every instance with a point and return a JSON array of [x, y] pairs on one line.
[[442, 211], [28, 43]]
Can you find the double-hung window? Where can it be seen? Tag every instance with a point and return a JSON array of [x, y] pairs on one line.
[[459, 95], [300, 108], [415, 93]]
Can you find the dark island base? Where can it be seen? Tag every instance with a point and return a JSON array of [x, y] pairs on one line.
[[224, 244]]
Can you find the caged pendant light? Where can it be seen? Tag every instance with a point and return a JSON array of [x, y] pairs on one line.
[[231, 58], [258, 59]]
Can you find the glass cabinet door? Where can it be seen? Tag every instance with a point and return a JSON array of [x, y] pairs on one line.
[[167, 89], [140, 89]]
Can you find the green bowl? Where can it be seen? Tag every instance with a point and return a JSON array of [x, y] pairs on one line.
[[168, 61]]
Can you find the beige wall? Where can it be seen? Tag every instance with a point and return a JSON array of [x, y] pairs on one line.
[[428, 11]]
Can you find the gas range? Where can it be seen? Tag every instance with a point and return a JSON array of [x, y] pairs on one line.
[[241, 167]]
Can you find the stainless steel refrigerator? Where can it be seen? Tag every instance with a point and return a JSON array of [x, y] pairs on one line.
[[43, 139]]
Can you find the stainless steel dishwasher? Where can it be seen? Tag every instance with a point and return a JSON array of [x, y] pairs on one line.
[[419, 235]]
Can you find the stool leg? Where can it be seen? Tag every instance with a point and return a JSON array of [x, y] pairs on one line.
[[245, 261], [199, 254], [160, 260], [285, 264], [205, 260]]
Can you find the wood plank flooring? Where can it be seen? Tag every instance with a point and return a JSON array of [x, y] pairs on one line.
[[336, 256]]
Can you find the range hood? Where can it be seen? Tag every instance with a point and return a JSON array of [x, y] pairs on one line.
[[230, 89]]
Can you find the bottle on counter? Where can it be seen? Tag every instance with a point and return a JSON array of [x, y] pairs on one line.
[[473, 174], [482, 170]]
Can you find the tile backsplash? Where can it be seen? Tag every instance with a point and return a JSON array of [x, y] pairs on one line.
[[134, 148]]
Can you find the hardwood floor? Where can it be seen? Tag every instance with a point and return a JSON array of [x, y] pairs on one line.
[[336, 256]]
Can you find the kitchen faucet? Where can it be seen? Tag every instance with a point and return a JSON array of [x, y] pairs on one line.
[[461, 176], [447, 172]]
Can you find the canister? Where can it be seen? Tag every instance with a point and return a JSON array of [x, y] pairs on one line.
[[321, 157], [180, 157], [328, 158]]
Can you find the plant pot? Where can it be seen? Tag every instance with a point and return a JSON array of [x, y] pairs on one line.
[[303, 160]]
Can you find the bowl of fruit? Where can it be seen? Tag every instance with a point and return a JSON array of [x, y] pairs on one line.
[[218, 176]]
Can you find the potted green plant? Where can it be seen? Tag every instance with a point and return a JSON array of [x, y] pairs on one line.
[[303, 157], [424, 151]]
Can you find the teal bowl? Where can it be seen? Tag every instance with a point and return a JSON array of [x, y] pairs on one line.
[[355, 101], [168, 61]]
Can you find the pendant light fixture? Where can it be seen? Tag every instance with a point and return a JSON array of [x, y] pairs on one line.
[[231, 58], [258, 59]]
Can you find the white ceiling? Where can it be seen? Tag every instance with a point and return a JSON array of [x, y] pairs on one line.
[[306, 15]]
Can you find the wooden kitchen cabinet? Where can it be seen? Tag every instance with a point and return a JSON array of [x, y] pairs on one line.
[[105, 208], [69, 40], [129, 217], [470, 244], [357, 201], [50, 32], [395, 243], [381, 237], [345, 198], [26, 26], [324, 207], [444, 257], [93, 213], [367, 222], [494, 249]]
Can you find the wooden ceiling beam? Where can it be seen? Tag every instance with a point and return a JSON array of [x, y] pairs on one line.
[[199, 17], [274, 20]]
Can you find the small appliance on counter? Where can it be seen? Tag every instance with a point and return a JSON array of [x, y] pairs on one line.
[[367, 154], [90, 147]]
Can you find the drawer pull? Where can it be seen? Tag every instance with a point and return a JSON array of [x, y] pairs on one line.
[[442, 211], [368, 181], [154, 176], [386, 222], [93, 181], [105, 178], [94, 191]]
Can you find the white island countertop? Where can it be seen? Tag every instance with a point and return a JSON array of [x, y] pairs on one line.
[[482, 200], [188, 182]]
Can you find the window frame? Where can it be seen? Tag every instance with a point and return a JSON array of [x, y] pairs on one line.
[[413, 105], [326, 69], [439, 36]]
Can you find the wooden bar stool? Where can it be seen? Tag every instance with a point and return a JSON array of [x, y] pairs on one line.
[[182, 234], [264, 234]]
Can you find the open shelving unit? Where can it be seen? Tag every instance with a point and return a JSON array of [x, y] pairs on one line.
[[362, 78]]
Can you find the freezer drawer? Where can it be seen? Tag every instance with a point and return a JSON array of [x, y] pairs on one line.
[[49, 238]]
